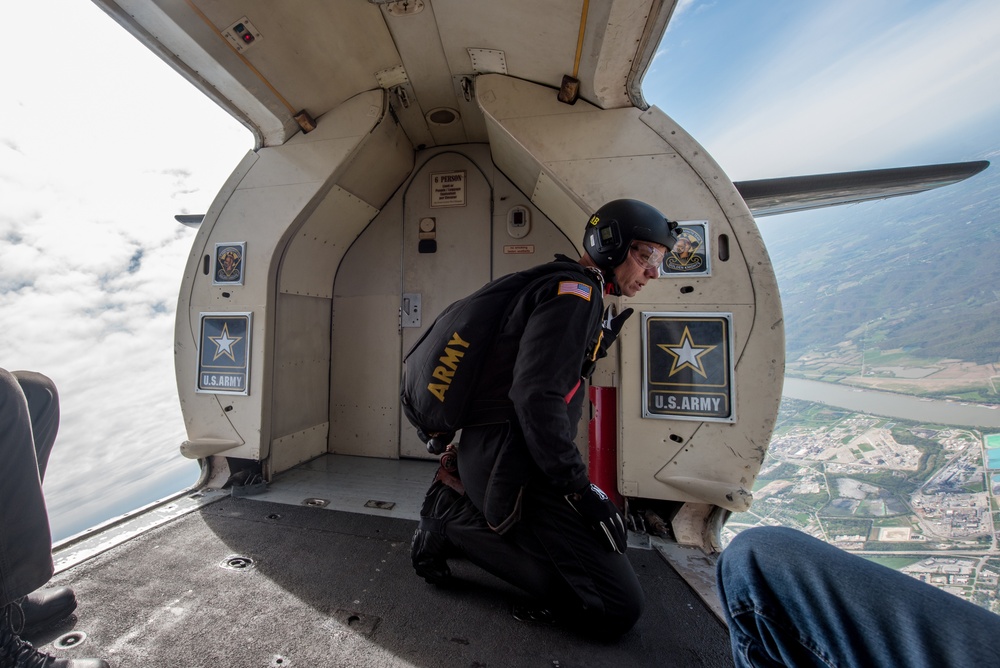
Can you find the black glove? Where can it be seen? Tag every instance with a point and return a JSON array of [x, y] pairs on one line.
[[603, 517], [436, 441], [612, 328]]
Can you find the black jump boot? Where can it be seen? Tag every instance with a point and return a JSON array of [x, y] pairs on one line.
[[44, 607], [17, 653]]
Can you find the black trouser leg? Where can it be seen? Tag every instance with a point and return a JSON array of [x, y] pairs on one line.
[[25, 541], [552, 555], [43, 405]]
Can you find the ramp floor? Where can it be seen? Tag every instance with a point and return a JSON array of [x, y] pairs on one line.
[[246, 582]]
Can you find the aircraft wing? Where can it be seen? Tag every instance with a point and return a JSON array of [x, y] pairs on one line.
[[768, 197], [190, 219]]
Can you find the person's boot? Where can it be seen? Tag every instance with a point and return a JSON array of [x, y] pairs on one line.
[[17, 653], [430, 547], [534, 612], [44, 607]]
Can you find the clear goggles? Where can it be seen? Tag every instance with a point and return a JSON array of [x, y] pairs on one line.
[[647, 256]]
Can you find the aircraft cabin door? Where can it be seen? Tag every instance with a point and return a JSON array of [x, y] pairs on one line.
[[446, 251]]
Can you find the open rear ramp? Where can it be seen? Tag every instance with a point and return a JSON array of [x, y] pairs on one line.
[[253, 582]]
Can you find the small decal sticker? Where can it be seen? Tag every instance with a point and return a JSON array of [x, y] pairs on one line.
[[688, 366], [229, 263], [224, 353], [690, 254], [519, 249]]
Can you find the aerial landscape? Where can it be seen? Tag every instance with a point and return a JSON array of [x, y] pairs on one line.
[[905, 302], [900, 297]]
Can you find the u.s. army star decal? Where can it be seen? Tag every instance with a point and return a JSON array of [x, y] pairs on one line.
[[224, 343], [686, 354]]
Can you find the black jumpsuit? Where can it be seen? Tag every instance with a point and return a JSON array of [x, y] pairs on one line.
[[514, 521]]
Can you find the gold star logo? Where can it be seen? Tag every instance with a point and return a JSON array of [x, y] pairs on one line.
[[686, 354], [224, 343]]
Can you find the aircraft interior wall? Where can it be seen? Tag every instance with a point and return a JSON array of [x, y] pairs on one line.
[[305, 317], [575, 158], [325, 287], [422, 252], [355, 241], [289, 209]]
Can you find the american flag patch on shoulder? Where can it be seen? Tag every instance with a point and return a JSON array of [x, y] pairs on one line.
[[581, 290]]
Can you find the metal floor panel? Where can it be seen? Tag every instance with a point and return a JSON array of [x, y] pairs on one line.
[[382, 487], [252, 583], [329, 588], [366, 485]]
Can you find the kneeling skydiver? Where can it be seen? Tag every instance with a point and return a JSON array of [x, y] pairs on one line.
[[521, 505]]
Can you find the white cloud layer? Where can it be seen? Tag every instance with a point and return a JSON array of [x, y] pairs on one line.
[[855, 87], [99, 148]]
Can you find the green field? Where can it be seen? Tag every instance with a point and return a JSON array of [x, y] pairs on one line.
[[894, 563]]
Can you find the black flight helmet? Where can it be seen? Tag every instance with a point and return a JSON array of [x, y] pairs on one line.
[[613, 228]]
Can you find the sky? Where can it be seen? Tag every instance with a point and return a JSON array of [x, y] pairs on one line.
[[781, 87], [101, 143]]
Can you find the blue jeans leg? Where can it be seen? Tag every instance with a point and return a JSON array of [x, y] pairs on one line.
[[793, 600]]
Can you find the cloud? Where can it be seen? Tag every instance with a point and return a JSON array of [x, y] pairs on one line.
[[90, 256], [676, 24], [90, 302], [846, 89], [680, 9]]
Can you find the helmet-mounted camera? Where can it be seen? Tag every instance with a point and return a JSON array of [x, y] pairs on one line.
[[612, 229]]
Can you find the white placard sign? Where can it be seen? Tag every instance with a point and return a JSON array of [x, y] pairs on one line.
[[448, 189]]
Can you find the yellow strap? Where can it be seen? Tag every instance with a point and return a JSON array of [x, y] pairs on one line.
[[600, 337]]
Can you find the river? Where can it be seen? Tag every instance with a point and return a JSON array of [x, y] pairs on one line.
[[888, 404]]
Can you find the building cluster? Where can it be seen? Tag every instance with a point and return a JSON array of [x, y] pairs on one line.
[[950, 511], [955, 516], [955, 575], [853, 441]]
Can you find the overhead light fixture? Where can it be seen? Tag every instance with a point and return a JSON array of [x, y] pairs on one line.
[[442, 116]]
